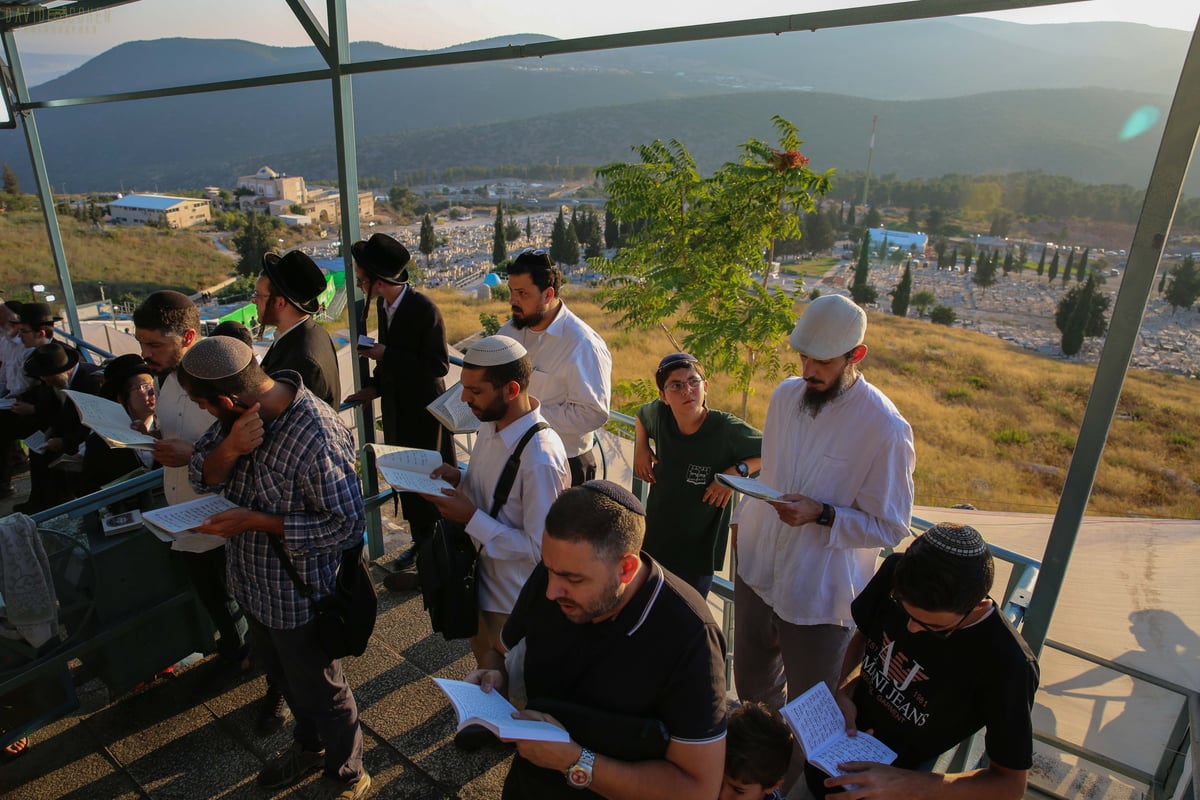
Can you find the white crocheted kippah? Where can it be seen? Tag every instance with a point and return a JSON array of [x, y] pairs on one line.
[[493, 351], [217, 357], [955, 539]]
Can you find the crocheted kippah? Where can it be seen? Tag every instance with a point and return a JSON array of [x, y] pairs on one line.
[[217, 357], [957, 540], [618, 494], [493, 351]]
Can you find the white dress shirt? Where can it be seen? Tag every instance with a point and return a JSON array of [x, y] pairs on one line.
[[572, 373], [512, 543], [179, 418], [857, 455]]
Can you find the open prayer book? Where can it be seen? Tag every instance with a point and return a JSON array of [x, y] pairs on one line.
[[474, 706], [36, 441], [749, 486], [820, 726], [453, 413], [109, 421], [175, 524], [408, 468]]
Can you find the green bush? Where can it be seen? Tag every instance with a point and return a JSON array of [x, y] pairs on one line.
[[1010, 436], [942, 315], [956, 393]]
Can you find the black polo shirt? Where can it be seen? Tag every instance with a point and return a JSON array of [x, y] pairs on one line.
[[661, 657]]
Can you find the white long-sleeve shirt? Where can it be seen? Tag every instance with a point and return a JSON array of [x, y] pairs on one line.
[[572, 373], [512, 541], [179, 418], [857, 455]]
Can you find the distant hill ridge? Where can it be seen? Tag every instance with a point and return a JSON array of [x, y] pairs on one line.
[[982, 95]]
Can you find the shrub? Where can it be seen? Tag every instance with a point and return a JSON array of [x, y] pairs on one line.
[[956, 393], [1178, 439], [1010, 436], [942, 315]]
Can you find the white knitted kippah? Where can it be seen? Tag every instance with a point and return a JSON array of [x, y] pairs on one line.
[[957, 540], [493, 351], [217, 357]]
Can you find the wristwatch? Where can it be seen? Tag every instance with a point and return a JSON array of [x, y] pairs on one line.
[[742, 469], [826, 517], [579, 774]]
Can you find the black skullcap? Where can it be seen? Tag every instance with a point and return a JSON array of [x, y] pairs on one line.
[[618, 494], [957, 540], [675, 361], [167, 299], [217, 357]]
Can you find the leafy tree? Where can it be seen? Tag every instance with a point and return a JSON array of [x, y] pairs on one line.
[[902, 293], [11, 184], [1070, 266], [943, 315], [1081, 273], [1053, 272], [1001, 223], [1184, 285], [612, 231], [402, 199], [427, 242], [490, 323], [935, 221], [861, 291], [923, 300], [700, 242], [252, 243], [985, 271], [512, 230], [1075, 325], [818, 232], [1096, 323], [499, 244], [874, 219], [1042, 263]]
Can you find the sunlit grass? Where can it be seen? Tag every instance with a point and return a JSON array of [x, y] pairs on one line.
[[994, 426]]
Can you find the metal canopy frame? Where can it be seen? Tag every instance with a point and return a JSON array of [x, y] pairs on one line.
[[1162, 197]]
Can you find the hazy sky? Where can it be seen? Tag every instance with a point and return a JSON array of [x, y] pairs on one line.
[[430, 24]]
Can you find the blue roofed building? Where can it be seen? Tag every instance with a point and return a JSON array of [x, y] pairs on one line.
[[901, 239], [160, 209]]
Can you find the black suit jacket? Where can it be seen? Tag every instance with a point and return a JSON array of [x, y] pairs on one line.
[[409, 376], [63, 416], [307, 349]]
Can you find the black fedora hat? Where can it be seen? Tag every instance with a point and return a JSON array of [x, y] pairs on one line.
[[295, 276], [120, 370], [50, 359], [36, 315], [383, 258]]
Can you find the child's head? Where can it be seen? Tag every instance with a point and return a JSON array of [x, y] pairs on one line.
[[758, 748]]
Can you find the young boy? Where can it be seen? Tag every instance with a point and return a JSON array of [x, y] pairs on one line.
[[758, 748]]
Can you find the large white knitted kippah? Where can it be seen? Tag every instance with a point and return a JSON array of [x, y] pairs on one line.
[[217, 357], [493, 351], [957, 540]]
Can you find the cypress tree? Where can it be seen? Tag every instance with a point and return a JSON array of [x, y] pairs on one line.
[[902, 293], [1070, 266], [1072, 338], [861, 291], [1042, 263], [1082, 271], [427, 242], [499, 245], [1053, 267]]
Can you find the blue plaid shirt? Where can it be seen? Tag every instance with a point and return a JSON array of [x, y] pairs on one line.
[[304, 471]]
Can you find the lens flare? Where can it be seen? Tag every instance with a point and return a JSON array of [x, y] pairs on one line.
[[1140, 121]]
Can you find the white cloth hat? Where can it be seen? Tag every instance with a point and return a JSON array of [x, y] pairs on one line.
[[831, 326], [493, 351], [217, 357]]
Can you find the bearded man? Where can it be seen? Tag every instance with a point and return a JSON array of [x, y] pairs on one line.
[[843, 456]]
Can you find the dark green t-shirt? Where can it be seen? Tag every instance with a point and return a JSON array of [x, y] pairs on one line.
[[686, 535]]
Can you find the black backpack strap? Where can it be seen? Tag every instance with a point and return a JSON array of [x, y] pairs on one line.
[[509, 476], [304, 589]]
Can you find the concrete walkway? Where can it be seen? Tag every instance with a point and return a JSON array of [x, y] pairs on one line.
[[168, 740]]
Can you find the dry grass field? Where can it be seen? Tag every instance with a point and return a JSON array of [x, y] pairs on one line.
[[994, 425], [133, 260]]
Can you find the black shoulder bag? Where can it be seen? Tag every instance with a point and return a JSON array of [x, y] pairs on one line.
[[346, 618], [447, 561]]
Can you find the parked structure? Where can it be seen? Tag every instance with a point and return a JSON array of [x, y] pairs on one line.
[[150, 209]]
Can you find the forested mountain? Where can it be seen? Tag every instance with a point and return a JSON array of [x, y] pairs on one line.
[[953, 94]]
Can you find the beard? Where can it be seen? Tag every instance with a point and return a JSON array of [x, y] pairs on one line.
[[527, 320], [813, 400], [493, 412], [604, 604]]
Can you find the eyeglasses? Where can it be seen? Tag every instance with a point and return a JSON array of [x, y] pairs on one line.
[[937, 630], [679, 386]]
